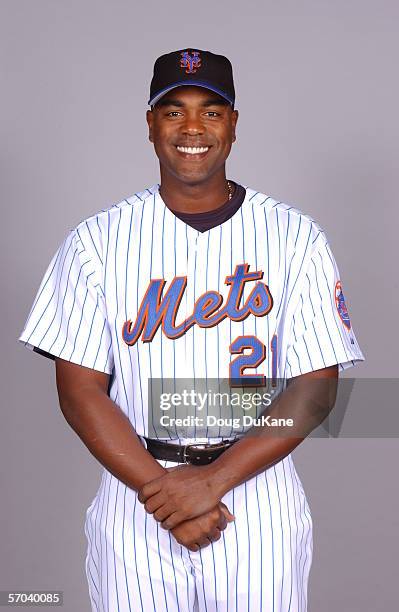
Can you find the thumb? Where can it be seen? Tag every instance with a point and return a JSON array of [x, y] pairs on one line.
[[230, 517]]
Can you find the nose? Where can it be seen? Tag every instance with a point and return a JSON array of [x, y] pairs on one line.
[[193, 124]]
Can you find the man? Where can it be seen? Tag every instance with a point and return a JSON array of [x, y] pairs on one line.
[[196, 279]]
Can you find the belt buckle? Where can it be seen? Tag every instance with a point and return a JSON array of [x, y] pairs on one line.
[[186, 446]]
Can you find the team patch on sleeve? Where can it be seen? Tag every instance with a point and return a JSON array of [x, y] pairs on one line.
[[341, 306]]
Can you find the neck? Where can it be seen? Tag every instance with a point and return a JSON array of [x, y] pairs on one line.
[[194, 197]]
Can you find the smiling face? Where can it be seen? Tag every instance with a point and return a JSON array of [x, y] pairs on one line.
[[192, 129]]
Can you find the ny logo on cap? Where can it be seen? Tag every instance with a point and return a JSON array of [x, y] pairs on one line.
[[191, 63]]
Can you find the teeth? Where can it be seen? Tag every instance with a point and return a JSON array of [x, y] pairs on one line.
[[192, 150]]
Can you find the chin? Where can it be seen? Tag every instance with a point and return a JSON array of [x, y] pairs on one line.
[[192, 178]]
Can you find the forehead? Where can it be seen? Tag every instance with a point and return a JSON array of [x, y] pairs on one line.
[[191, 94]]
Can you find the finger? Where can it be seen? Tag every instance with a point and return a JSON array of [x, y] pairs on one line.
[[230, 517], [203, 542], [153, 503], [172, 520], [222, 522], [149, 489], [162, 513], [215, 535]]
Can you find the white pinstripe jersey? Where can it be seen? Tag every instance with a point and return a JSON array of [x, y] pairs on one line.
[[103, 282]]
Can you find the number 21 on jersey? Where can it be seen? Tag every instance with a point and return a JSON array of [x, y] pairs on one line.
[[244, 361]]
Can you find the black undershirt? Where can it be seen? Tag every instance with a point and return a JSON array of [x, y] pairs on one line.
[[203, 221]]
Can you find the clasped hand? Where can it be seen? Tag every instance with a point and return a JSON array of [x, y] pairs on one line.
[[185, 502], [182, 493]]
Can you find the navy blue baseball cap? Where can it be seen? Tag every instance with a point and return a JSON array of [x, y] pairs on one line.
[[192, 67]]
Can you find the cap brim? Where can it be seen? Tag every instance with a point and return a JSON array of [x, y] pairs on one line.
[[161, 93]]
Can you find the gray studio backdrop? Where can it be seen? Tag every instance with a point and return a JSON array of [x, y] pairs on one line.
[[318, 99]]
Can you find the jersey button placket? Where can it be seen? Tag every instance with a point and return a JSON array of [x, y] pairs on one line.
[[190, 292], [191, 296]]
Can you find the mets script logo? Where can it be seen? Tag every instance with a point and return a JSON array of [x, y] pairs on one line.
[[158, 310], [341, 306], [190, 63]]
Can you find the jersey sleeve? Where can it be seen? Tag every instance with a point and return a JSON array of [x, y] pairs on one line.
[[68, 316], [321, 333]]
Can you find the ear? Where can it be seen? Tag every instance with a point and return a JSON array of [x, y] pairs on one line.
[[234, 119], [150, 120]]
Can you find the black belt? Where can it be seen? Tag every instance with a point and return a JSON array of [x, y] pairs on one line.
[[195, 453]]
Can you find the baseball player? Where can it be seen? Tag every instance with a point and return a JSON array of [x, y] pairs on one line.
[[196, 278]]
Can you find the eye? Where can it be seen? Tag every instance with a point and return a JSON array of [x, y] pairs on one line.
[[172, 114], [213, 113]]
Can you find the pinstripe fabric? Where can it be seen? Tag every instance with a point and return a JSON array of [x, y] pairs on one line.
[[95, 282], [262, 561]]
